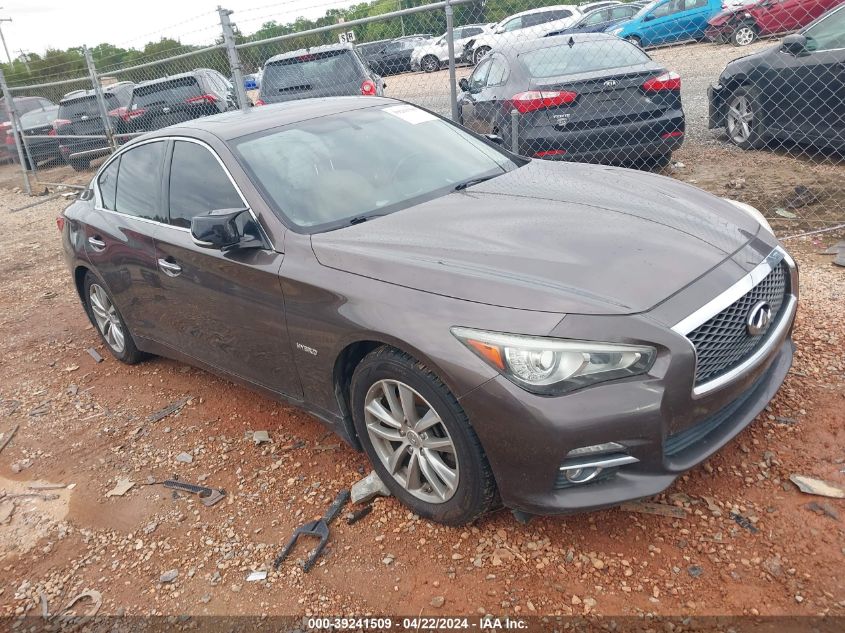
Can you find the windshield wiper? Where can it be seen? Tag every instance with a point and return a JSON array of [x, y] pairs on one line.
[[471, 182], [360, 219]]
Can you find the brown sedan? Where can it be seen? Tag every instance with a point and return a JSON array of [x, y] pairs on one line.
[[554, 337]]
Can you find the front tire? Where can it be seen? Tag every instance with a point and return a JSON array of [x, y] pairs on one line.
[[419, 439], [480, 52], [430, 63], [744, 118], [109, 323], [744, 35]]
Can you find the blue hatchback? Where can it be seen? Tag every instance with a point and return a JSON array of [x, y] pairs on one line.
[[668, 21]]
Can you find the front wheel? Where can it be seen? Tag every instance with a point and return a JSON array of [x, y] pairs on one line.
[[480, 52], [633, 39], [743, 119], [744, 35], [430, 63], [419, 439]]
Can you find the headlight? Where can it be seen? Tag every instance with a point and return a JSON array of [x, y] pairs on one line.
[[552, 366], [754, 213]]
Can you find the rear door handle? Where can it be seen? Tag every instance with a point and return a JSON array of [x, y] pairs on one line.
[[169, 268], [96, 243]]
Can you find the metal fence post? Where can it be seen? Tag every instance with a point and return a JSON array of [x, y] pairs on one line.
[[234, 59], [98, 94], [515, 131], [450, 43], [14, 119]]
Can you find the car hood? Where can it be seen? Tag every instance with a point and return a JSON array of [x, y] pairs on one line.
[[550, 237]]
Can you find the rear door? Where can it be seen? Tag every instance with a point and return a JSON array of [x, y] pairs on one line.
[[325, 74], [119, 233], [223, 309]]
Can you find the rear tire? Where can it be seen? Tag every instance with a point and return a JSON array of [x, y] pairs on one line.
[[744, 118], [744, 35], [108, 322], [419, 427], [430, 63], [633, 39], [79, 164], [479, 53]]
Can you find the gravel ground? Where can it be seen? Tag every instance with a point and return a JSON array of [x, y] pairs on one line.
[[87, 425]]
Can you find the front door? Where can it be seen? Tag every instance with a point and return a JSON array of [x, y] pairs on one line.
[[224, 309]]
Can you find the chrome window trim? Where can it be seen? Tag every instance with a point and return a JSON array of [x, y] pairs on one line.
[[98, 198], [728, 297]]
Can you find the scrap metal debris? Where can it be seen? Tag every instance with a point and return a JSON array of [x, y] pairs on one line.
[[369, 488], [95, 596], [170, 409], [353, 517], [318, 528], [257, 576], [95, 355], [121, 488], [824, 509], [40, 485], [208, 496], [744, 522], [801, 197], [260, 437], [812, 486], [8, 437], [660, 509]]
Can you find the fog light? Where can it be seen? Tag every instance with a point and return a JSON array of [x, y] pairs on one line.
[[581, 475]]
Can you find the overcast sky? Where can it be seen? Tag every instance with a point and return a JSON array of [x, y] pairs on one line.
[[41, 24]]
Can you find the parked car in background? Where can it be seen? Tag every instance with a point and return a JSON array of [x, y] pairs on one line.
[[587, 7], [367, 49], [79, 115], [432, 55], [36, 125], [601, 19], [395, 56], [794, 91], [668, 22], [23, 105], [332, 70], [177, 98], [490, 329], [520, 27], [743, 25], [587, 97]]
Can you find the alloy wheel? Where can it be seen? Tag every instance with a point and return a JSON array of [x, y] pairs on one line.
[[411, 441], [740, 118], [430, 64], [108, 321], [480, 53], [744, 36]]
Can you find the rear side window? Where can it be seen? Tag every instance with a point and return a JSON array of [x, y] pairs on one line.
[[309, 71], [108, 184], [139, 180], [164, 92], [198, 184], [564, 60]]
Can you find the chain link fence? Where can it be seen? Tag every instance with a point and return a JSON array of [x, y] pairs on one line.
[[642, 85]]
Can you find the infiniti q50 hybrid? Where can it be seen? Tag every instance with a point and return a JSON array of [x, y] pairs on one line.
[[488, 328]]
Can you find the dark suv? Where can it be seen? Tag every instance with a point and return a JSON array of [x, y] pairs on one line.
[[161, 102], [23, 105], [80, 116], [334, 70]]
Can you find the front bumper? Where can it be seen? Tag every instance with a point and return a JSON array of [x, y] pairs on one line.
[[716, 97], [718, 33], [656, 418]]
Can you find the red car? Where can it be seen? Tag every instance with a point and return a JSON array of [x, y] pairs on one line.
[[744, 24]]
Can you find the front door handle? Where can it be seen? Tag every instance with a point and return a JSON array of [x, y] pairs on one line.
[[169, 268], [96, 243]]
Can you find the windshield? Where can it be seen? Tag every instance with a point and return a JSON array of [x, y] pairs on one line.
[[586, 57], [324, 172], [828, 33], [37, 118]]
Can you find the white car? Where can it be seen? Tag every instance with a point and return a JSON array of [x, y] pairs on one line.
[[521, 26], [431, 56]]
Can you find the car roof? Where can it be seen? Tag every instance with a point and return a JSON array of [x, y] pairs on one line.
[[311, 51], [552, 7], [190, 73], [237, 123]]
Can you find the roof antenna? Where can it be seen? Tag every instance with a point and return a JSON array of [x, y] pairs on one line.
[[571, 42]]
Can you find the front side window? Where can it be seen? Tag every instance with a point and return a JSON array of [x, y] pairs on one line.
[[139, 182], [331, 171], [512, 25], [479, 76], [596, 17], [107, 182], [618, 13], [198, 184], [498, 72], [829, 34]]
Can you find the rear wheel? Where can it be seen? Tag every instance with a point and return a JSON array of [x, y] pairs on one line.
[[743, 119], [744, 35], [419, 439], [633, 39], [480, 52], [430, 63], [110, 325], [79, 164]]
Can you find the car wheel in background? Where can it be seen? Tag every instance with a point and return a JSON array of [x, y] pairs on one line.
[[110, 325], [430, 63], [480, 52], [419, 439], [656, 162], [79, 164], [744, 35], [633, 39], [743, 118]]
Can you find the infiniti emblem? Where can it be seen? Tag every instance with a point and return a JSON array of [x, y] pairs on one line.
[[758, 318], [610, 83]]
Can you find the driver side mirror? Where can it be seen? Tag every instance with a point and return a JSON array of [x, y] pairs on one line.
[[795, 44], [224, 229], [499, 30], [647, 17], [463, 84]]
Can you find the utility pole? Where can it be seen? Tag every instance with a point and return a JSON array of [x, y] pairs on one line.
[[3, 38]]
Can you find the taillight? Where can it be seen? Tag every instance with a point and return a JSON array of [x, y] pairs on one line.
[[10, 138], [202, 98], [666, 81], [52, 132], [60, 223], [134, 114], [533, 100], [550, 152], [368, 87], [674, 134], [59, 123], [260, 102]]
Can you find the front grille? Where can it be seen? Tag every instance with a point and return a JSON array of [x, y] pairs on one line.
[[723, 342]]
